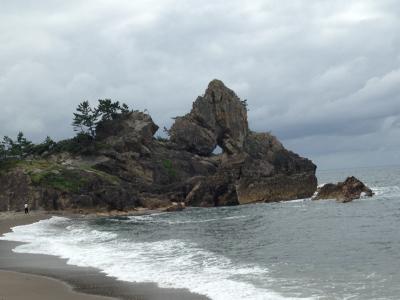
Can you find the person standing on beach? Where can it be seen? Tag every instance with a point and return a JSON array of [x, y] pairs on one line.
[[26, 208]]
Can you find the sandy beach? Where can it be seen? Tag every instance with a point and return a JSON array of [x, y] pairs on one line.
[[31, 276], [15, 285]]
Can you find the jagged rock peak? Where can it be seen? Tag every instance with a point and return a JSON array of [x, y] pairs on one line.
[[218, 117], [216, 86]]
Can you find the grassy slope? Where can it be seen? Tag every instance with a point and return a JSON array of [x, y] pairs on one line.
[[57, 176]]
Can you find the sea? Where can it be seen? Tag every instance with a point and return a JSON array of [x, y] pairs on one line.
[[300, 249]]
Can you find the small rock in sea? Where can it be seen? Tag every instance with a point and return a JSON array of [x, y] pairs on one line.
[[176, 206], [352, 188]]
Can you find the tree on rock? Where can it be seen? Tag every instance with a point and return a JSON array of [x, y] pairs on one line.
[[8, 145], [125, 108], [16, 149], [25, 147], [108, 109], [3, 152], [47, 145], [85, 119], [111, 110]]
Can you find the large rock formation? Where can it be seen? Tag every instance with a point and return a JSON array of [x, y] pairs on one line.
[[346, 191], [131, 168], [254, 167], [217, 118]]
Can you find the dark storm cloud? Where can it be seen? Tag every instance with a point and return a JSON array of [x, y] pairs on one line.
[[322, 75]]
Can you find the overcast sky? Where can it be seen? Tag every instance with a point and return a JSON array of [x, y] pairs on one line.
[[322, 75]]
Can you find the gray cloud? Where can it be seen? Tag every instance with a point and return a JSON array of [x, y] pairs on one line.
[[324, 76]]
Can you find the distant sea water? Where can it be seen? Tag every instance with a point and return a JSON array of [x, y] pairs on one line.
[[301, 249]]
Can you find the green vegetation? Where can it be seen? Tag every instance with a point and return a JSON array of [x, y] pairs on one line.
[[20, 153], [85, 122], [167, 164], [29, 157], [80, 144], [161, 139], [47, 145], [17, 148], [63, 180], [21, 147], [46, 173], [53, 175], [109, 110], [86, 118], [7, 165], [245, 104]]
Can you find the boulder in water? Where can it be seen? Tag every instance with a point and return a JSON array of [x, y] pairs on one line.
[[352, 188]]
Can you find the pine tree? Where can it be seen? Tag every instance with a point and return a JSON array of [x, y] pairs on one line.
[[8, 146], [245, 104], [108, 109], [3, 152], [85, 119], [124, 108], [47, 145], [18, 148], [24, 147]]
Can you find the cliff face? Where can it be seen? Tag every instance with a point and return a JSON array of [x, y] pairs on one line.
[[132, 168], [62, 184]]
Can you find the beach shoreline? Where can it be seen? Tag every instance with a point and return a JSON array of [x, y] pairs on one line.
[[36, 276]]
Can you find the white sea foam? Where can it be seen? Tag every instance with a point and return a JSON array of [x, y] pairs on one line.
[[297, 200], [154, 219], [170, 263], [387, 191]]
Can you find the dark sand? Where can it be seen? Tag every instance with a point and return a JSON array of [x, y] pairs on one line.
[[32, 276]]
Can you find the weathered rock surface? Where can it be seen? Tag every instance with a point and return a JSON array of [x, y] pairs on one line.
[[133, 169], [217, 118], [254, 167], [272, 173], [346, 191], [49, 186], [16, 189], [130, 132]]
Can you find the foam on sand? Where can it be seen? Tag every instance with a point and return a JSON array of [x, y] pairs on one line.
[[171, 263]]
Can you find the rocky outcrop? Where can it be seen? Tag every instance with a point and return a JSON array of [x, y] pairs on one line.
[[272, 173], [50, 186], [254, 167], [133, 169], [16, 190], [129, 132], [217, 118], [346, 191], [175, 206]]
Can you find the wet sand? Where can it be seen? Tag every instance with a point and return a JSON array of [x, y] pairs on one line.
[[15, 286], [32, 276]]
